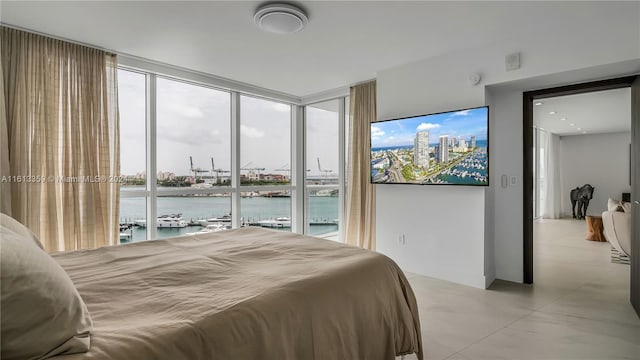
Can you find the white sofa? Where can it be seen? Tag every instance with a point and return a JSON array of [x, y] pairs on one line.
[[617, 226]]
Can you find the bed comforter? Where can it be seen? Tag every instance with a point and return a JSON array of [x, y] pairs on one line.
[[248, 293]]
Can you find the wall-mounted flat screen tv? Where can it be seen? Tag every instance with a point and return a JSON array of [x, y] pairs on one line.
[[450, 148]]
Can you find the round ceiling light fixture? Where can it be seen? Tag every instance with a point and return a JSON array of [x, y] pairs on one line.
[[280, 18]]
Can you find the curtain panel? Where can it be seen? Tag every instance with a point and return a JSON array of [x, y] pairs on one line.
[[360, 219], [552, 189], [62, 140]]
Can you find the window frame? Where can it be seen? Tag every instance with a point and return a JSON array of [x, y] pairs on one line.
[[297, 187]]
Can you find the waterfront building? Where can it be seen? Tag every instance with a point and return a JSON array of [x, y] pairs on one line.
[[381, 163], [421, 149], [473, 142], [166, 175], [443, 154]]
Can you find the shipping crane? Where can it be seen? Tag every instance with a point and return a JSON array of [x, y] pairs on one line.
[[254, 172], [217, 172], [196, 171], [256, 169], [324, 173], [284, 167]]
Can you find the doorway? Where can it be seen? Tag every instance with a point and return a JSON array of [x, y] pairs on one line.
[[531, 198]]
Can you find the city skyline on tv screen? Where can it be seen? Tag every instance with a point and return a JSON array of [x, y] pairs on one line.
[[442, 149]]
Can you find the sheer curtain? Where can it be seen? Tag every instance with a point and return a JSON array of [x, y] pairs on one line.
[[551, 171], [5, 186], [61, 117], [360, 224]]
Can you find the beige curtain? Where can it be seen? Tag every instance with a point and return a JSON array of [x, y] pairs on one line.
[[5, 184], [360, 226], [61, 117]]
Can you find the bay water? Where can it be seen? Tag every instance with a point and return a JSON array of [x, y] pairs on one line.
[[322, 209]]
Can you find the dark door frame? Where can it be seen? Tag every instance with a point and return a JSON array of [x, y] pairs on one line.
[[527, 150]]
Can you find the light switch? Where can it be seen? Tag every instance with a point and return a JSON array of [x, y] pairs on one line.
[[514, 180]]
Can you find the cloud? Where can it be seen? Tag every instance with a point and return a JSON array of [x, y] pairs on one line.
[[182, 110], [206, 136], [281, 107], [251, 132], [427, 126], [192, 112], [462, 113], [376, 132]]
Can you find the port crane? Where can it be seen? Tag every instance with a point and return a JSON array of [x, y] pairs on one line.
[[256, 169], [252, 170], [196, 171], [284, 167], [217, 172], [324, 173]]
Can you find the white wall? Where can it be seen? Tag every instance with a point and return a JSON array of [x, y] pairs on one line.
[[506, 159], [448, 238], [601, 160], [441, 84]]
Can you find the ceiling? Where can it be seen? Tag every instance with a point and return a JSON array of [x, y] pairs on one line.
[[591, 113], [344, 43]]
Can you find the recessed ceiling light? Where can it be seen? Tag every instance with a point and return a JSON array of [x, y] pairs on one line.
[[584, 132], [563, 119], [552, 112], [280, 18], [579, 129], [541, 128], [538, 103], [572, 124]]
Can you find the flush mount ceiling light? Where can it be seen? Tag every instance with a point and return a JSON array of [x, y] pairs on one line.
[[280, 18], [538, 103], [552, 112]]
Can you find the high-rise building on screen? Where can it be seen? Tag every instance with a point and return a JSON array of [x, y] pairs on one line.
[[421, 149], [473, 141], [443, 155]]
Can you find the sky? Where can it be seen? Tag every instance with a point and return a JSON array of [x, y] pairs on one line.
[[196, 121], [402, 132]]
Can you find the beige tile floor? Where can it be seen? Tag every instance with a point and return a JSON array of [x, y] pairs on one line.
[[578, 307]]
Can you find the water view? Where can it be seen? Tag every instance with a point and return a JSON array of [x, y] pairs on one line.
[[255, 211]]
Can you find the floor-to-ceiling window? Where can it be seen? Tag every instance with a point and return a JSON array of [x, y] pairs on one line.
[[193, 147], [132, 92], [265, 156], [197, 158], [322, 141]]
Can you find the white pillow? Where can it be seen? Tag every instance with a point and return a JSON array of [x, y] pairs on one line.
[[613, 205], [626, 207], [15, 226], [42, 313]]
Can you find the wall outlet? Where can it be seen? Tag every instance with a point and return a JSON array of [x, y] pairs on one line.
[[514, 181], [401, 240]]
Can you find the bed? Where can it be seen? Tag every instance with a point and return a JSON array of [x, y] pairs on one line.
[[247, 293]]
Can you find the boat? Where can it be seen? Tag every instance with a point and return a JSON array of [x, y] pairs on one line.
[[209, 229], [224, 219], [166, 221], [126, 232], [279, 222]]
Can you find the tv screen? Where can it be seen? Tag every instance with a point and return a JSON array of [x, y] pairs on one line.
[[449, 148]]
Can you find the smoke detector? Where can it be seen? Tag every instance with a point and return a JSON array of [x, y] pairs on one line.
[[280, 18]]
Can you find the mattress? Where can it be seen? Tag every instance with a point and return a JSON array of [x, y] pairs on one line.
[[247, 293]]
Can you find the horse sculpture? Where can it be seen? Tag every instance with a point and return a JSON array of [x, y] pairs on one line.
[[580, 196]]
